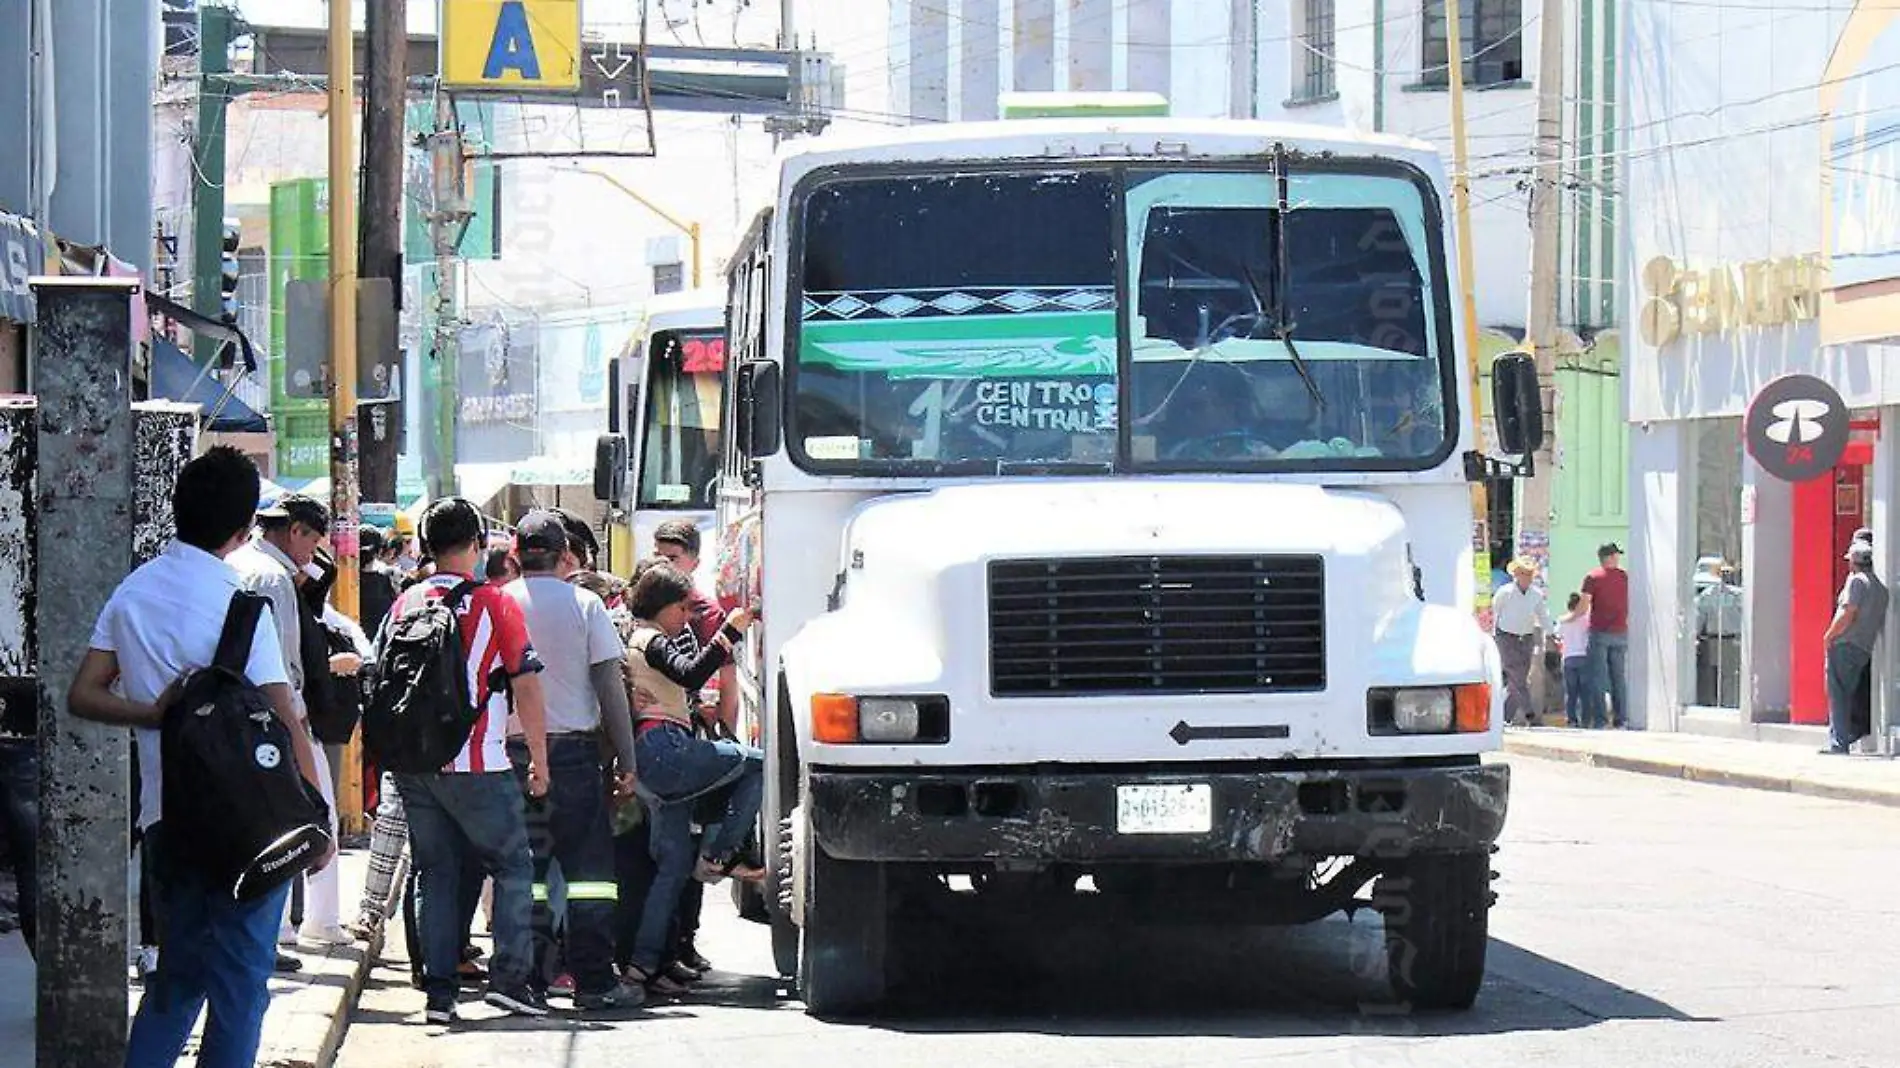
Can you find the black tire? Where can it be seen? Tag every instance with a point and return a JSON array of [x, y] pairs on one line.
[[841, 966], [749, 899], [1437, 910], [785, 944]]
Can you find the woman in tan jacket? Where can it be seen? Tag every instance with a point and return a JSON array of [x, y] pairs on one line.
[[676, 767]]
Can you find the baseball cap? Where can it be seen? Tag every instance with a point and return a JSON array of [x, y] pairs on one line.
[[1609, 547], [1860, 553], [1864, 535], [297, 508], [541, 531]]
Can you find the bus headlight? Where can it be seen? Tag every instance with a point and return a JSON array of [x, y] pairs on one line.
[[1422, 711], [888, 719]]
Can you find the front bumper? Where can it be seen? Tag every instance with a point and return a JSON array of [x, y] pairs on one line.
[[1260, 813]]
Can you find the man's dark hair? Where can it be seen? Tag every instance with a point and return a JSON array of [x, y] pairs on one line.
[[215, 497], [658, 587], [647, 564], [681, 532], [580, 540], [540, 560], [496, 566], [451, 525]]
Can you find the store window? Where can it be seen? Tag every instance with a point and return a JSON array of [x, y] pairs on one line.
[[1313, 52], [1716, 572]]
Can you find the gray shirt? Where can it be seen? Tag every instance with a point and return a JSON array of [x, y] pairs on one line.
[[1869, 597], [572, 633], [264, 569]]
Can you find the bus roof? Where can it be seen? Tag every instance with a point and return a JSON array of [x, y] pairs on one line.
[[694, 309], [1067, 138]]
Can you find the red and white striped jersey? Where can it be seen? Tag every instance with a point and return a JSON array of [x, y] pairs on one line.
[[495, 640]]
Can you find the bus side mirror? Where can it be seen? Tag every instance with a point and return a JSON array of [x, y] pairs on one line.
[[1517, 404], [761, 402], [610, 468]]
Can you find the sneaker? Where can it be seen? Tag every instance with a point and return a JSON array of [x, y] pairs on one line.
[[518, 1000], [691, 957], [439, 1012], [326, 936], [562, 986], [620, 996]]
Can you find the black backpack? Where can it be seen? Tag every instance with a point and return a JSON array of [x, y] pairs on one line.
[[333, 719], [247, 819], [420, 710]]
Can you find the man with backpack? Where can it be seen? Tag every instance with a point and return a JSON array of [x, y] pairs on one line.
[[280, 558], [165, 620], [453, 655]]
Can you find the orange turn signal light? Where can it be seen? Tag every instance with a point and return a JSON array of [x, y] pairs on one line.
[[834, 718], [1472, 708]]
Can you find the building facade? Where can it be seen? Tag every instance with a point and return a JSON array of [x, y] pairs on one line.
[[1763, 239]]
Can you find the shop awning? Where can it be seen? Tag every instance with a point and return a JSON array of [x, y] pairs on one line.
[[176, 378], [480, 483], [553, 471]]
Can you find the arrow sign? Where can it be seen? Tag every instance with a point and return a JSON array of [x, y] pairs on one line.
[[1183, 733], [619, 68]]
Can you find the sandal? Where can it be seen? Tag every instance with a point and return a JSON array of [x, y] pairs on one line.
[[657, 983]]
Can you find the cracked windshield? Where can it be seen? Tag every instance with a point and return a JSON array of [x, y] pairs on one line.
[[971, 322]]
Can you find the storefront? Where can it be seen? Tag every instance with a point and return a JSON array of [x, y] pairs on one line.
[[1763, 236]]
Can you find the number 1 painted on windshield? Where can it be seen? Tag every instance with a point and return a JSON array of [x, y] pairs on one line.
[[929, 404]]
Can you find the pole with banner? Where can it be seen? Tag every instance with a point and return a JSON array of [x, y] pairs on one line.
[[343, 531]]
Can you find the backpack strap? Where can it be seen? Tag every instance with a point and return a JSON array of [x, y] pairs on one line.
[[462, 591], [240, 628]]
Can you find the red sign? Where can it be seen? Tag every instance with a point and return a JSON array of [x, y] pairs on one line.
[[702, 354]]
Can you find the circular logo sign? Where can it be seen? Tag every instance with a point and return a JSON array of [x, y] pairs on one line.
[[268, 756], [1797, 428]]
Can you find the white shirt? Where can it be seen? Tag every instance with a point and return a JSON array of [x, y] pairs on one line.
[[1575, 635], [1518, 611], [164, 621], [343, 624], [263, 568], [571, 630]]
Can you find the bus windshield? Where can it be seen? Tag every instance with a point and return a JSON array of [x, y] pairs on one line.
[[680, 456], [976, 323]]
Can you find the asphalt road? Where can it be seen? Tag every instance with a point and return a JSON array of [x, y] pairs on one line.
[[1642, 921]]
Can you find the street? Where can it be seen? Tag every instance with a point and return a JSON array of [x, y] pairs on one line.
[[1641, 921]]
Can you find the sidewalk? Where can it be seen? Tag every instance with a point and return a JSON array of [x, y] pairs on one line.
[[309, 1010], [1727, 762]]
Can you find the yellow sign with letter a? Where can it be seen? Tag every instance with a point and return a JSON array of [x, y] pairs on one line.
[[511, 44]]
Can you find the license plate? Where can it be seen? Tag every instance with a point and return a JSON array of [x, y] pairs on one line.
[[1164, 809]]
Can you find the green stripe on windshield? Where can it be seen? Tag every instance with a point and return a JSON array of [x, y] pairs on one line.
[[980, 346]]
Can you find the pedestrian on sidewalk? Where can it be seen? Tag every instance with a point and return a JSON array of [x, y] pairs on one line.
[[1859, 614], [162, 622], [1606, 597], [1573, 636], [278, 560], [586, 704], [474, 806], [1520, 619]]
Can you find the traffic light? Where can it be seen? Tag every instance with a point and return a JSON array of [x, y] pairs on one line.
[[231, 272]]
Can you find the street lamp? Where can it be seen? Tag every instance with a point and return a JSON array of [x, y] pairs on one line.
[[690, 229]]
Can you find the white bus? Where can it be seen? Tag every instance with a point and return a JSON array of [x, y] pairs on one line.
[[1104, 483], [661, 454]]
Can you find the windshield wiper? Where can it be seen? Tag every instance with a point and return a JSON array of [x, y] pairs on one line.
[[1283, 332], [1282, 317], [1054, 467]]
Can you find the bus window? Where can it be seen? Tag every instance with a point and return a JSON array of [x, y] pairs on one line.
[[681, 455]]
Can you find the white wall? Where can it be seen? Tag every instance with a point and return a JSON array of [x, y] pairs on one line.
[[1499, 122]]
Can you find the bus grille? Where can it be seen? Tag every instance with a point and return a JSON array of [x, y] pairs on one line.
[[1157, 624]]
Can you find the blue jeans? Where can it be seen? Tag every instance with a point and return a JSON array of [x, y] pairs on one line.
[[1609, 677], [1576, 680], [1849, 704], [577, 835], [217, 950], [676, 769], [20, 825], [453, 819]]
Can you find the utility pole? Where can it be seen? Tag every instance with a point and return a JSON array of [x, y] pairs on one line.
[[445, 225], [384, 112], [343, 363], [1533, 524], [207, 162], [1468, 295]]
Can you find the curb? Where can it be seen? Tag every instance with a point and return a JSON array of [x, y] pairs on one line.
[[304, 1028], [1676, 769]]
